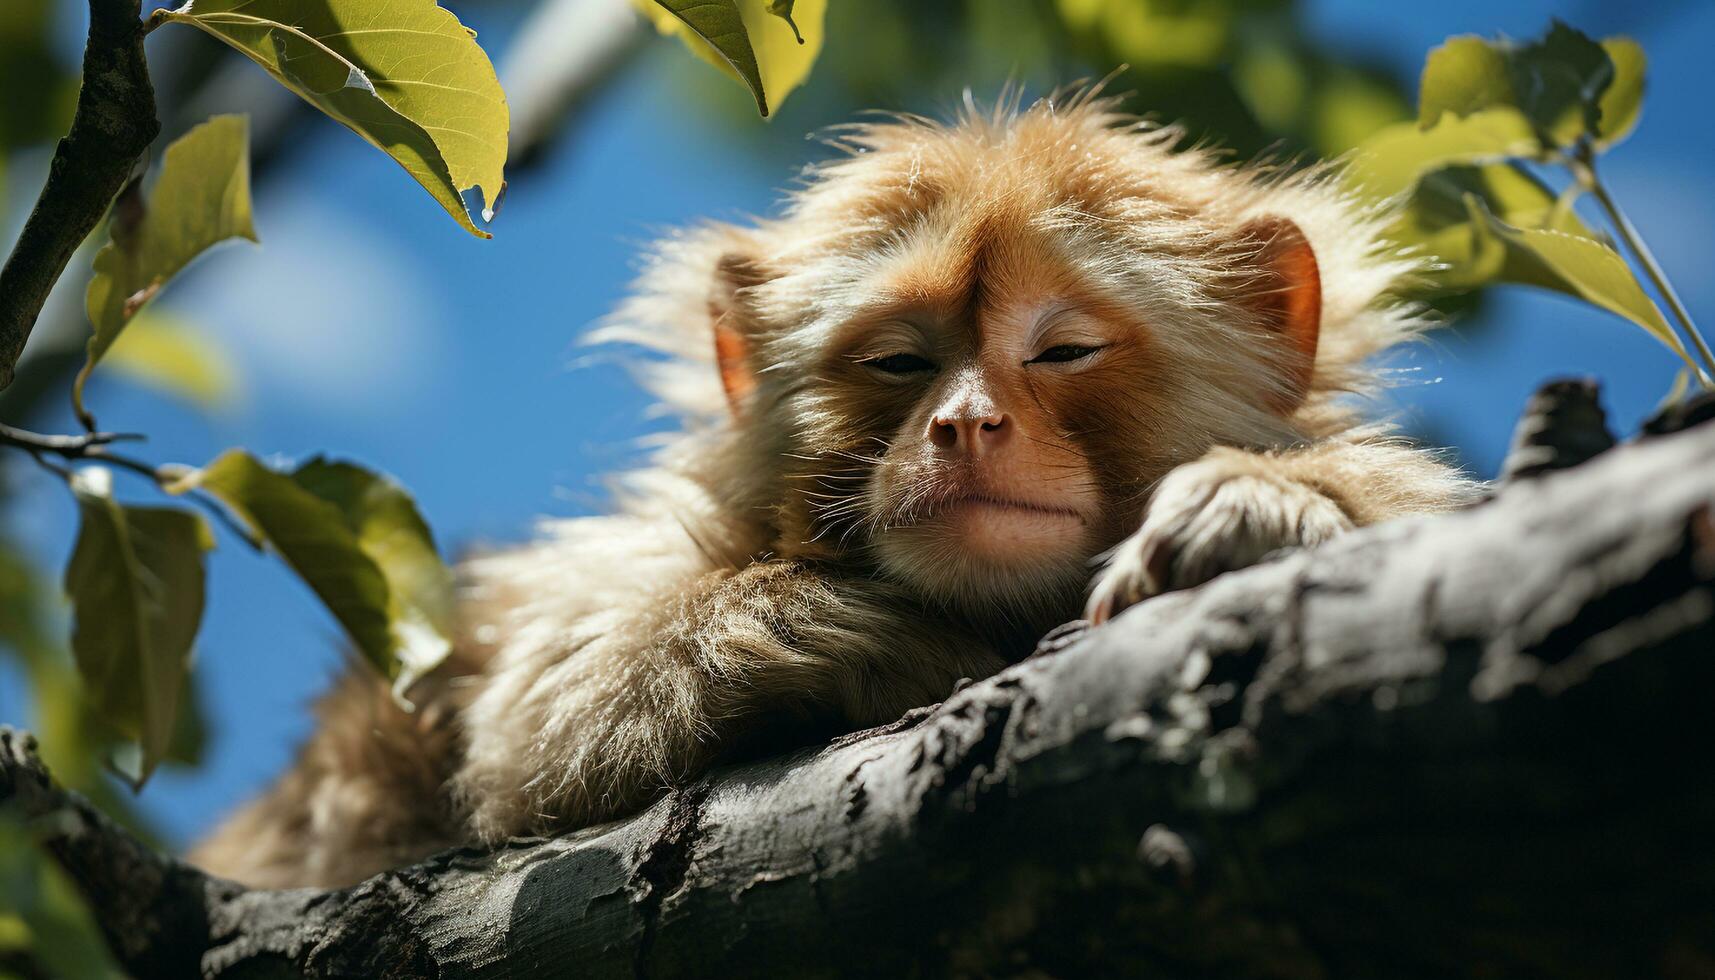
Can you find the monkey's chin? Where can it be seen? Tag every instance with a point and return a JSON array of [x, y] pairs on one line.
[[1009, 533], [992, 555]]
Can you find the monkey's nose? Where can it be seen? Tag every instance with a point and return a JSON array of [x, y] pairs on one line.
[[974, 434]]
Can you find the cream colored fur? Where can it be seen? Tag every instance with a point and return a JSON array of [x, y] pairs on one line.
[[723, 607]]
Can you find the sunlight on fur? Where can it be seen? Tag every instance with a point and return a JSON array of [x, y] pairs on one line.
[[961, 363]]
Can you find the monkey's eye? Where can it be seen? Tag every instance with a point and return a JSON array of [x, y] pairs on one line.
[[900, 364], [1062, 354]]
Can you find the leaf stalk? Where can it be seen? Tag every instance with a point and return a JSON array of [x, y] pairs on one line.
[[1584, 170]]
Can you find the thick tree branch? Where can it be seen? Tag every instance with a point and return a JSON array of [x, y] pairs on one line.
[[1471, 745], [114, 124]]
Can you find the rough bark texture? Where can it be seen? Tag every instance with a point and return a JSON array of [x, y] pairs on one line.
[[115, 122], [1473, 745]]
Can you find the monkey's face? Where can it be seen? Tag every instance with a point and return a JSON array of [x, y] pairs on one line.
[[981, 425], [978, 487], [974, 353]]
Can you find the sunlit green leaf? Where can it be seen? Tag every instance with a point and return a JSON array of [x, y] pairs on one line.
[[1394, 159], [356, 540], [202, 198], [403, 74], [391, 532], [767, 45], [1577, 266], [1624, 99], [1465, 74], [1438, 220], [136, 583], [164, 352], [1557, 82]]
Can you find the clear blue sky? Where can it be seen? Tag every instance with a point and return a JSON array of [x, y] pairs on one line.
[[368, 326]]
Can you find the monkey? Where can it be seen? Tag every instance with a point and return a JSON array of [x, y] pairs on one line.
[[966, 368]]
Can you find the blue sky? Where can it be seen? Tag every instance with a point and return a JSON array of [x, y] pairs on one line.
[[368, 326]]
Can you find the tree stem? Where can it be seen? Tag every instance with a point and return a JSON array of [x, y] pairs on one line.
[[1628, 233], [114, 124]]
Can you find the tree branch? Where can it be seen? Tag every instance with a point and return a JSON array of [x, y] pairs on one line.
[[114, 124], [1469, 745]]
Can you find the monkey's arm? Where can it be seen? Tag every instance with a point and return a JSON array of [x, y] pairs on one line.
[[1231, 507], [596, 717]]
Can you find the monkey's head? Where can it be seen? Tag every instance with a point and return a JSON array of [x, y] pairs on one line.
[[964, 354]]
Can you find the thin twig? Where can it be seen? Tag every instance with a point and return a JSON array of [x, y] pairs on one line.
[[1585, 171], [197, 496], [94, 447], [71, 447]]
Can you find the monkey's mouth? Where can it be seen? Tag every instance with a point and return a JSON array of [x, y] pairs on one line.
[[1003, 530], [1002, 505]]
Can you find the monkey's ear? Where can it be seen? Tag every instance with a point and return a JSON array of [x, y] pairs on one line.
[[1289, 296], [729, 319]]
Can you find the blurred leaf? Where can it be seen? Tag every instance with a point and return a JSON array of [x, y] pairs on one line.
[[1464, 75], [1577, 266], [166, 353], [75, 737], [190, 726], [356, 540], [30, 63], [136, 583], [750, 40], [1438, 221], [1348, 108], [1156, 33], [201, 199], [1395, 158], [403, 74], [394, 536], [1558, 82], [1623, 101], [1273, 84], [21, 606], [1676, 391], [42, 917]]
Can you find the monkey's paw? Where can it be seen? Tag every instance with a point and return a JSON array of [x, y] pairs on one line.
[[1223, 512]]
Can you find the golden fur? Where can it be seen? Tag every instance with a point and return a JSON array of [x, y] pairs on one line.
[[784, 567]]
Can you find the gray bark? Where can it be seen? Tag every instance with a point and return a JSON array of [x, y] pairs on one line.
[[1469, 745]]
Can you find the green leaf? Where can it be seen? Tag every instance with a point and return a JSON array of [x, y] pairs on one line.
[[393, 534], [1623, 101], [1577, 266], [356, 539], [168, 354], [1465, 74], [768, 45], [201, 199], [1396, 157], [1347, 107], [44, 923], [1558, 82], [1438, 220], [22, 606], [136, 583], [403, 74]]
